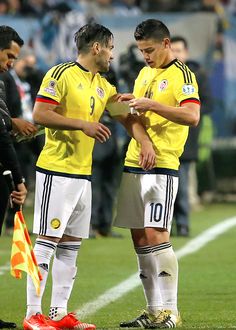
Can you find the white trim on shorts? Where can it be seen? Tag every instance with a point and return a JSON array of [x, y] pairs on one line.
[[146, 200], [62, 206]]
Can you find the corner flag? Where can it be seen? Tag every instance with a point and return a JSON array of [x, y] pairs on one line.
[[22, 254]]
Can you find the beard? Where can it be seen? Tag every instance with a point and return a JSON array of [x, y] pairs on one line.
[[102, 64], [104, 67]]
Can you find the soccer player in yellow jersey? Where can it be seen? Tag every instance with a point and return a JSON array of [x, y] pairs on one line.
[[70, 102], [166, 99]]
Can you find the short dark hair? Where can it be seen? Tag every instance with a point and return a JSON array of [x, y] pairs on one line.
[[151, 29], [90, 33], [7, 35], [180, 39]]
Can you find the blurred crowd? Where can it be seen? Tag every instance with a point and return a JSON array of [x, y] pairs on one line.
[[51, 12], [38, 8]]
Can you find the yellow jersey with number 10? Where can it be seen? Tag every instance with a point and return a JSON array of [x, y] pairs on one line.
[[172, 85], [80, 95]]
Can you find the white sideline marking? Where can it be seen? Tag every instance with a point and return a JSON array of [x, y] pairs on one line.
[[4, 268], [133, 281]]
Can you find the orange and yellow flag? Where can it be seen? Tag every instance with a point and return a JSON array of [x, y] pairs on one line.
[[22, 254]]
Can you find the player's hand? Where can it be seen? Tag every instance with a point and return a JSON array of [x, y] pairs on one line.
[[97, 131], [18, 197], [147, 157], [141, 105], [125, 97], [23, 127]]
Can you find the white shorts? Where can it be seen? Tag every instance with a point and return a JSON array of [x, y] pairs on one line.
[[146, 200], [62, 206]]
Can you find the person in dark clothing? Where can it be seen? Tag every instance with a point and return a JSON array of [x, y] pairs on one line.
[[12, 101], [106, 165], [8, 157], [10, 44], [20, 97], [105, 173], [189, 157], [12, 95]]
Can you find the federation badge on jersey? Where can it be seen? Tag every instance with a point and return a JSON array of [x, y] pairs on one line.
[[55, 223], [51, 89], [100, 92], [163, 85], [188, 89]]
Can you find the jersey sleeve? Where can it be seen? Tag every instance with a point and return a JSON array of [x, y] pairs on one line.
[[51, 89], [112, 92], [186, 88]]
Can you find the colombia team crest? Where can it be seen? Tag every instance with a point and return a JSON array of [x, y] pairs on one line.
[[100, 92], [163, 85]]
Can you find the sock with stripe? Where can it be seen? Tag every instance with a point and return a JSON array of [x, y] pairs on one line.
[[63, 275], [167, 268], [148, 276], [43, 250]]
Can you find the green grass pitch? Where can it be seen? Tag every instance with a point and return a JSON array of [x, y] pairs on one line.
[[207, 278]]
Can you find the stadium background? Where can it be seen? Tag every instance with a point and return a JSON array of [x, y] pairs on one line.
[[207, 277]]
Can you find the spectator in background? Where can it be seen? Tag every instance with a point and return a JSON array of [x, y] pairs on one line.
[[106, 169], [14, 7], [20, 104], [35, 8], [159, 5], [189, 157], [127, 8], [105, 175], [4, 7], [95, 8], [28, 79], [217, 7], [130, 64], [26, 62]]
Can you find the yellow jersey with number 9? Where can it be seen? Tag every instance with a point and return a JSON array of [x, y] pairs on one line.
[[172, 85], [80, 95]]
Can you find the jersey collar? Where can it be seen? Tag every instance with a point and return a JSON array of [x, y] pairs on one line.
[[81, 67], [169, 64]]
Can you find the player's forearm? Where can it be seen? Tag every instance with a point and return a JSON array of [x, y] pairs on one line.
[[184, 115], [52, 119], [136, 129]]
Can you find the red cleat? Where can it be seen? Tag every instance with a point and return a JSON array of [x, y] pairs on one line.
[[37, 322], [71, 322]]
